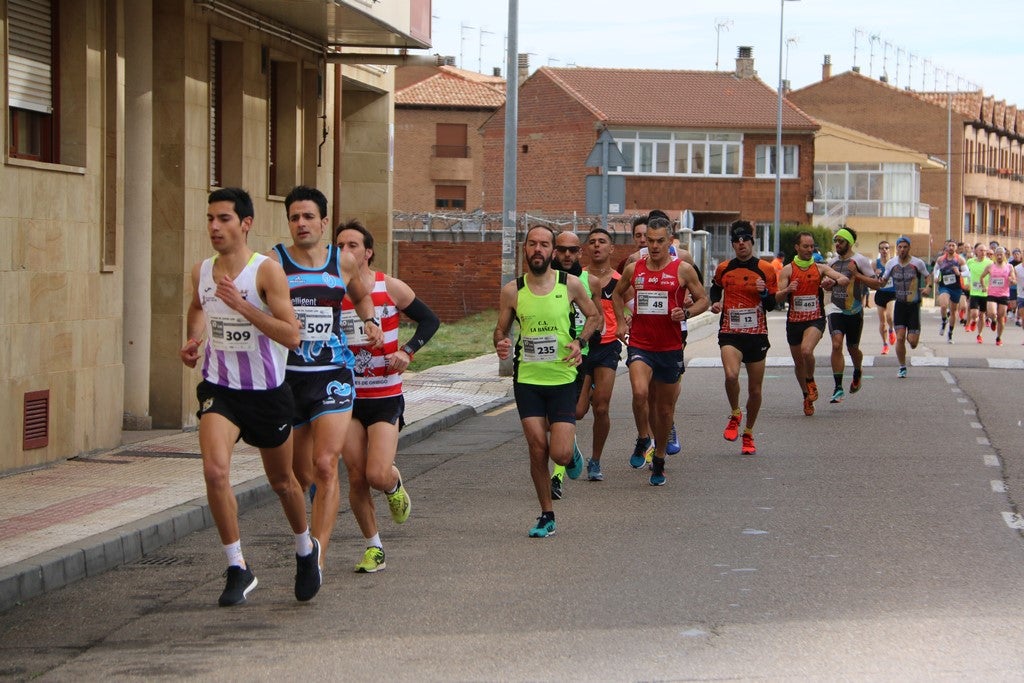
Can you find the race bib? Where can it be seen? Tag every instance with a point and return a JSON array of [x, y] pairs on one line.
[[743, 318], [949, 279], [997, 282], [352, 326], [232, 333], [652, 303], [315, 322], [538, 349], [578, 319], [976, 285], [805, 303]]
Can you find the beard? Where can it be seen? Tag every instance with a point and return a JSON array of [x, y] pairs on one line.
[[539, 269], [576, 268]]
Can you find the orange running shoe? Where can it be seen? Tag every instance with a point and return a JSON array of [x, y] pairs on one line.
[[732, 430], [812, 391], [748, 444], [808, 406]]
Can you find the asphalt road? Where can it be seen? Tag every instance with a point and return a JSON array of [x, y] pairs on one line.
[[872, 541]]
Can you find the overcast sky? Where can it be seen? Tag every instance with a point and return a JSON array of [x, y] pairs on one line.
[[952, 41]]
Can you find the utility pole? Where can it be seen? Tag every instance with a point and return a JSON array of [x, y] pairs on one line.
[[508, 204]]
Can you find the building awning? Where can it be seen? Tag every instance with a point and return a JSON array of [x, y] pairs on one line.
[[335, 23]]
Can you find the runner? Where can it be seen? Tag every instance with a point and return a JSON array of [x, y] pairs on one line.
[[639, 240], [372, 440], [604, 351], [845, 311], [908, 273], [965, 285], [1001, 276], [743, 290], [319, 371], [884, 298], [976, 266], [950, 271], [800, 286], [1018, 271], [660, 284], [567, 260], [545, 358], [240, 304]]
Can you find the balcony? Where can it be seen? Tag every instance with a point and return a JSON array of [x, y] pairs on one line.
[[996, 184]]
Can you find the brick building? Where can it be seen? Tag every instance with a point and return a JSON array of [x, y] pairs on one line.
[[697, 140], [438, 147], [986, 172]]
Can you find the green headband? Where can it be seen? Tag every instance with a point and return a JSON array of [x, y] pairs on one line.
[[846, 235]]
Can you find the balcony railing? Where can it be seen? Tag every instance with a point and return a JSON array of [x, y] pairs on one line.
[[451, 151]]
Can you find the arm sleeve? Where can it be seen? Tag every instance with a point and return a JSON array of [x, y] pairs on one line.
[[426, 321], [715, 293]]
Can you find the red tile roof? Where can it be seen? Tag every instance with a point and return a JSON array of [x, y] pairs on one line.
[[452, 87], [677, 99]]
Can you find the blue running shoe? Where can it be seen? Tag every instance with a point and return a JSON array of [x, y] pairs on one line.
[[575, 468], [545, 527], [639, 457], [594, 470], [658, 471], [672, 446]]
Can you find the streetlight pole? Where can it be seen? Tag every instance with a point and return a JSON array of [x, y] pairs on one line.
[[778, 138], [509, 219]]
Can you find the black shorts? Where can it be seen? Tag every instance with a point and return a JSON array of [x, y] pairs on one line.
[[852, 326], [390, 409], [998, 300], [601, 356], [795, 330], [978, 303], [320, 393], [908, 315], [263, 416], [753, 347], [666, 366], [883, 297], [557, 403]]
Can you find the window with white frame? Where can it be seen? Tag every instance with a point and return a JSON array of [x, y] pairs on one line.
[[765, 158], [679, 153], [879, 190]]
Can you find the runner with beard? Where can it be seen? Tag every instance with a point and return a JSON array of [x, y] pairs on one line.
[[545, 358], [950, 272]]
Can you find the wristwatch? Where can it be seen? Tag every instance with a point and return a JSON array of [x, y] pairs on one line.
[[408, 350], [374, 320]]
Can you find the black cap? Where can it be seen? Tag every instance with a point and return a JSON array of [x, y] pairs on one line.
[[741, 229]]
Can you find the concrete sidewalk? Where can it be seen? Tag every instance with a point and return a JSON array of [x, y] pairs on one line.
[[91, 513]]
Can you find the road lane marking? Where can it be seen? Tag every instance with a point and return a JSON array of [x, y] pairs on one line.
[[992, 460]]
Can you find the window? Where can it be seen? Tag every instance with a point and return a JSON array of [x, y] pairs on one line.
[[679, 153], [880, 190], [31, 73], [450, 197], [451, 141], [765, 158], [225, 113], [282, 133]]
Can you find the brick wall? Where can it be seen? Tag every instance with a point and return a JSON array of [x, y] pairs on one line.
[[457, 279], [415, 136]]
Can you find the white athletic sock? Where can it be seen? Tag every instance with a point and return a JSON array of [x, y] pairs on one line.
[[303, 543], [234, 553], [375, 541]]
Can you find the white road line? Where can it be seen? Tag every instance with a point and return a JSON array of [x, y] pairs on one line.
[[1006, 363], [998, 486], [991, 460], [982, 441], [1013, 520], [948, 377], [975, 425]]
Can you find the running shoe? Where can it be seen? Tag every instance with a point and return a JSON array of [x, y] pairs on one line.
[[942, 328], [240, 582], [307, 574], [980, 340], [732, 429], [837, 396], [999, 341], [812, 391], [594, 470], [658, 472], [575, 468], [399, 502], [885, 349], [892, 336], [902, 374], [992, 324], [545, 527], [672, 445], [808, 406], [556, 487], [971, 325], [639, 457], [855, 385], [373, 561], [748, 444]]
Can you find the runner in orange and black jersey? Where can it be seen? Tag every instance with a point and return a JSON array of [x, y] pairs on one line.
[[800, 285], [742, 290]]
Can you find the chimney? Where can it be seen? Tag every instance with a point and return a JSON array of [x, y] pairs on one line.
[[826, 68], [785, 86], [745, 63], [856, 69], [524, 67], [884, 78], [449, 60], [496, 71]]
